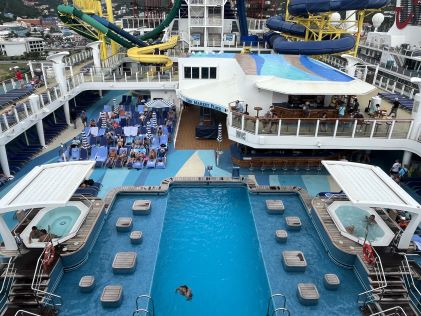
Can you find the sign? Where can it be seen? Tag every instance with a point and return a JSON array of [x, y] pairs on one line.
[[204, 104], [412, 16], [229, 39]]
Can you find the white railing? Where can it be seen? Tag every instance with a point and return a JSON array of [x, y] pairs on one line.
[[11, 84], [78, 58], [396, 50], [309, 127], [375, 293], [393, 311], [413, 292], [8, 274], [22, 312], [43, 297]]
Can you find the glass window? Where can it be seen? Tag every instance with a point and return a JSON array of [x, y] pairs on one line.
[[187, 72], [212, 73], [195, 73], [205, 73]]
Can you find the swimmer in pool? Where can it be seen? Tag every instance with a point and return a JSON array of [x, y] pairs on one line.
[[185, 291]]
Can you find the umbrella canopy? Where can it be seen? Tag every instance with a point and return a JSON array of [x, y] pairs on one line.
[[103, 120], [159, 104], [85, 143], [219, 138]]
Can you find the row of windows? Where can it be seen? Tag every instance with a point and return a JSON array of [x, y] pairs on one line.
[[199, 72]]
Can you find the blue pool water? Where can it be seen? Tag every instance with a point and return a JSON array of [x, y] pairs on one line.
[[59, 221], [351, 215], [209, 242]]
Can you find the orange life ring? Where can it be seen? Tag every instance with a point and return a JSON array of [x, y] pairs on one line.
[[368, 253], [49, 254]]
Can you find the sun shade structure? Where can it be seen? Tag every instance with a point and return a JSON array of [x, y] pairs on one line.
[[50, 185], [370, 186]]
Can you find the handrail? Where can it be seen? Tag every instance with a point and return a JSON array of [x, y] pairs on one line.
[[23, 312], [36, 282], [273, 303], [149, 299], [281, 309], [369, 295], [6, 272], [410, 280], [396, 308]]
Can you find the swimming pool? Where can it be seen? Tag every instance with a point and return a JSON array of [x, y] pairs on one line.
[[60, 221], [345, 214], [209, 242]]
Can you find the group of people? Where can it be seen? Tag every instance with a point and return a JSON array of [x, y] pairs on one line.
[[41, 234]]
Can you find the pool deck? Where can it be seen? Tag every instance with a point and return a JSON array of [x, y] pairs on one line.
[[342, 243]]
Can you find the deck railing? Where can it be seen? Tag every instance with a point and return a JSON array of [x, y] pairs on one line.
[[393, 311], [414, 293], [317, 127]]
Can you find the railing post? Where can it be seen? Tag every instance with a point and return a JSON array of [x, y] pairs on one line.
[[411, 126], [256, 130], [13, 83], [15, 111], [159, 76], [298, 127], [42, 100], [242, 122], [279, 127], [391, 129], [5, 121], [336, 128], [25, 108], [373, 128], [4, 87], [92, 74], [354, 128], [317, 128], [49, 96], [125, 76], [136, 77], [114, 76], [55, 92]]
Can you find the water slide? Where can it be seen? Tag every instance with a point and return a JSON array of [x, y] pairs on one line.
[[144, 54], [304, 7]]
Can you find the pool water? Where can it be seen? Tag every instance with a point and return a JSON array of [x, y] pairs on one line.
[[209, 243], [350, 215], [59, 221]]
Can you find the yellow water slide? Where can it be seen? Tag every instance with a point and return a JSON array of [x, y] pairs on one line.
[[152, 54]]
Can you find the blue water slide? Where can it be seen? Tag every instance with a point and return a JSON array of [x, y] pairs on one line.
[[303, 7], [242, 18], [119, 31]]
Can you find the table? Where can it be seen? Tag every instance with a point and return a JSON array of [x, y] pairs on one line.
[[257, 109]]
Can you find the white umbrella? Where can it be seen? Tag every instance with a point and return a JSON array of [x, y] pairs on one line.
[[85, 143], [103, 120], [159, 104], [154, 123]]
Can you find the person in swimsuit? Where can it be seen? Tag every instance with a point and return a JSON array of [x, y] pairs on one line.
[[185, 291]]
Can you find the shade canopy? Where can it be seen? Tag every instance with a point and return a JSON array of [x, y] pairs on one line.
[[370, 186], [47, 185], [159, 104]]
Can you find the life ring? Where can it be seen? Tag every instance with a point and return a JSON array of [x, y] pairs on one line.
[[368, 253], [49, 254]]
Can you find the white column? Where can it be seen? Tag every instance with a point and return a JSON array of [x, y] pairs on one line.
[[40, 130], [66, 109], [96, 53], [406, 159], [6, 234], [3, 160], [409, 231], [34, 102], [351, 64], [58, 67], [31, 68]]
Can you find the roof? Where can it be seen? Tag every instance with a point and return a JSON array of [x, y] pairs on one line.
[[370, 186], [47, 185]]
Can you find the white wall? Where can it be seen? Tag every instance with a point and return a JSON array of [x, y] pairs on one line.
[[15, 49]]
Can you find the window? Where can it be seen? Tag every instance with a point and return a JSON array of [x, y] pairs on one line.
[[195, 73], [187, 72], [212, 73], [205, 73]]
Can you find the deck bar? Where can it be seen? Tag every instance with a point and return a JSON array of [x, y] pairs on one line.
[[298, 127], [373, 128], [391, 129], [256, 130], [279, 127], [354, 129], [317, 128], [336, 128]]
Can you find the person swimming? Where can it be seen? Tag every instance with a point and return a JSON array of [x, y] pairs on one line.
[[185, 291]]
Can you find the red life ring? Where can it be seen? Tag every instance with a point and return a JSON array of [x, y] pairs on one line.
[[49, 254], [368, 253]]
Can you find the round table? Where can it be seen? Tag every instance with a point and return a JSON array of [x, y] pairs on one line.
[[257, 109]]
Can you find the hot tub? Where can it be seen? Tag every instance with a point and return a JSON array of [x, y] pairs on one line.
[[63, 222], [345, 214]]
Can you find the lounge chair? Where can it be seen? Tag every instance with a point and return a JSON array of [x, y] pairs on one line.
[[75, 153], [138, 165], [101, 156], [120, 161], [151, 163]]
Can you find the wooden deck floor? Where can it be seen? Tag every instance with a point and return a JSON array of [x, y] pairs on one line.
[[340, 241], [186, 133]]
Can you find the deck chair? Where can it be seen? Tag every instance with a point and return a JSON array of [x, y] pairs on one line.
[[161, 163], [75, 153], [101, 156], [107, 108], [137, 165], [94, 152], [140, 108], [151, 163], [163, 140], [94, 131], [83, 154]]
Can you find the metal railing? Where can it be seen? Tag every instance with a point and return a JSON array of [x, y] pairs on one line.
[[396, 50], [8, 275], [78, 58], [271, 307], [43, 297], [316, 127], [10, 84], [393, 311], [22, 312], [146, 310], [376, 293], [413, 292]]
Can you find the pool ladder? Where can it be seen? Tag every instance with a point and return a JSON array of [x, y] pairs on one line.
[[144, 311], [272, 310]]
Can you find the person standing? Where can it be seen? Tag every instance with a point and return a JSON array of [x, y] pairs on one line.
[[84, 118], [395, 107], [73, 116], [341, 110], [19, 78]]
